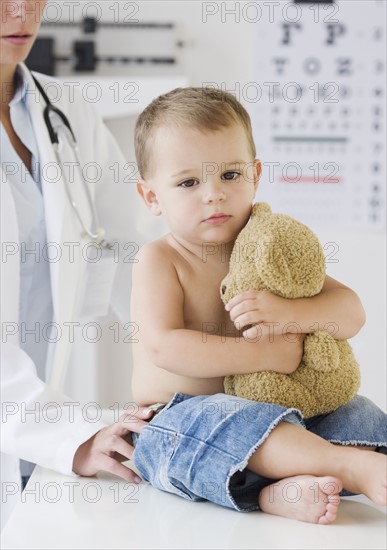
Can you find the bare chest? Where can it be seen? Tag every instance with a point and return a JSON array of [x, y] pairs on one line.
[[203, 308]]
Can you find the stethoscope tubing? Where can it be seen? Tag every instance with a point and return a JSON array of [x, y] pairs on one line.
[[70, 136]]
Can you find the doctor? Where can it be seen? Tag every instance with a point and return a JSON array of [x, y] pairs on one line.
[[46, 211]]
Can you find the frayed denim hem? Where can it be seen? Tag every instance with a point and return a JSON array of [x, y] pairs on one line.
[[293, 416]]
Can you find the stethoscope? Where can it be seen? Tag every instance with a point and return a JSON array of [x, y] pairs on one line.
[[99, 232]]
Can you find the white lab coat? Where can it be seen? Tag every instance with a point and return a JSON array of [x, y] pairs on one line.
[[35, 437]]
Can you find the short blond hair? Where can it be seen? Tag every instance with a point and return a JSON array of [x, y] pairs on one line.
[[204, 109]]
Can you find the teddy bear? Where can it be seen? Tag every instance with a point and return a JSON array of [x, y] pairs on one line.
[[276, 253]]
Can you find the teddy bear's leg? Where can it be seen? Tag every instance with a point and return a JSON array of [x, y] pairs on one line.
[[331, 388], [343, 383], [229, 385], [276, 388], [321, 352]]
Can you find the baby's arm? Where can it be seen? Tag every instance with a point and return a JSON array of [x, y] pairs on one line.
[[158, 307], [336, 309]]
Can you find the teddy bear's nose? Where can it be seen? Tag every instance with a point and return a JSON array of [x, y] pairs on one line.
[[224, 288]]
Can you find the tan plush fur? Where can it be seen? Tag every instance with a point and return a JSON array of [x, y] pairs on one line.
[[277, 253]]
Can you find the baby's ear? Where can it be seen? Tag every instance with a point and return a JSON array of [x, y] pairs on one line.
[[149, 197]]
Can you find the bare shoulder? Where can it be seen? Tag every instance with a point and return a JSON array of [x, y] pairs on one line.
[[155, 258], [158, 251], [157, 294]]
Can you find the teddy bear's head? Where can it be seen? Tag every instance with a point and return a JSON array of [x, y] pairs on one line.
[[276, 253]]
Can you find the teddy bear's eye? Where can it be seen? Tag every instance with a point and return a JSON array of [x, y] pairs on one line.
[[224, 288]]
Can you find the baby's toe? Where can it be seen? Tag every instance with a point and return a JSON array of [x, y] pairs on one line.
[[330, 513], [334, 500]]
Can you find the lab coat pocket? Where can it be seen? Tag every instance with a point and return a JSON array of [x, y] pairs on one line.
[[97, 286]]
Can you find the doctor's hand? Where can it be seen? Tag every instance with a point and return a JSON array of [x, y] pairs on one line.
[[111, 446]]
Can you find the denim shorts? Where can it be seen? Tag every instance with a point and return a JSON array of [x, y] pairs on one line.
[[198, 447]]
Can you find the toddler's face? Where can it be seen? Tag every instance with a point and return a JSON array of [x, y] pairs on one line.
[[204, 184]]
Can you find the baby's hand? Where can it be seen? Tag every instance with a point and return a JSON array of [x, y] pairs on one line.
[[262, 307]]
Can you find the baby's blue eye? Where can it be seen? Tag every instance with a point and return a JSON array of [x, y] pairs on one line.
[[188, 183], [231, 175]]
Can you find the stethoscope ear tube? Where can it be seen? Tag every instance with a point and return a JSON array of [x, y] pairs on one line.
[[46, 113]]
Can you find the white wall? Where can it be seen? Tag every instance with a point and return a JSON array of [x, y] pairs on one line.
[[224, 52]]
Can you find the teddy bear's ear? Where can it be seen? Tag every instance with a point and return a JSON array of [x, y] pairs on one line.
[[260, 209], [291, 263]]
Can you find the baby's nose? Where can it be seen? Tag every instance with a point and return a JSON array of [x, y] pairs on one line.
[[214, 192]]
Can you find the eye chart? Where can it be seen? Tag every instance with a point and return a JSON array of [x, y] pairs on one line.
[[318, 105]]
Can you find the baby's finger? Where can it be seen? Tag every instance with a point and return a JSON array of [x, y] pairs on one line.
[[244, 308], [246, 319], [248, 295], [238, 299], [252, 334]]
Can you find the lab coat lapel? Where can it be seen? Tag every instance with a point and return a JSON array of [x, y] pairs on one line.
[[63, 231], [10, 262]]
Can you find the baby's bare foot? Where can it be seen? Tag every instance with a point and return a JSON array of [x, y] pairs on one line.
[[366, 473], [306, 498]]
